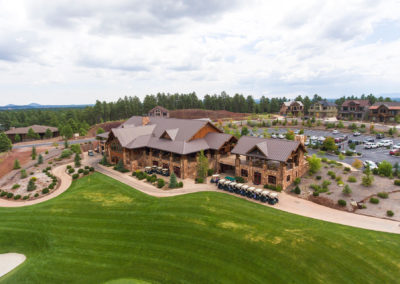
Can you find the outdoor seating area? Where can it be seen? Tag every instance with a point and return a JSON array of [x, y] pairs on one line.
[[157, 170], [228, 184]]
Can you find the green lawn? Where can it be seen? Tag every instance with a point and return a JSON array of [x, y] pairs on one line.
[[101, 230]]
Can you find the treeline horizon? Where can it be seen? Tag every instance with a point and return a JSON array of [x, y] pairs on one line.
[[80, 118]]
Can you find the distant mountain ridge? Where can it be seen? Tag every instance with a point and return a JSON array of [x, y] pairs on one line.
[[39, 106]]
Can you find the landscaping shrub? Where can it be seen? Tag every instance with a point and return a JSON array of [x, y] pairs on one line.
[[314, 164], [140, 175], [397, 182], [385, 168], [324, 160], [180, 184], [297, 181], [75, 176], [91, 169], [23, 174], [25, 197], [342, 202], [3, 193], [172, 181], [36, 195], [210, 172], [15, 186], [367, 180], [80, 171], [85, 172], [239, 179], [390, 213], [70, 171], [352, 179], [374, 200], [17, 197], [318, 177], [120, 167], [31, 185], [66, 154], [51, 186], [326, 183], [133, 173], [383, 195], [86, 167], [297, 190], [357, 164], [10, 195], [315, 193], [45, 190], [199, 180], [347, 169], [160, 183]]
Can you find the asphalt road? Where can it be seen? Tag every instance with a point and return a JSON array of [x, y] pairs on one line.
[[51, 143]]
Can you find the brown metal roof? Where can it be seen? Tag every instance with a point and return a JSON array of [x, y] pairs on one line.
[[36, 129], [357, 102], [163, 109], [274, 149], [389, 105]]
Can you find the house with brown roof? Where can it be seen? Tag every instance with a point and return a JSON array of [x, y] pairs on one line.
[[292, 107], [23, 132], [269, 161], [170, 143], [354, 109], [159, 111], [323, 109], [384, 111]]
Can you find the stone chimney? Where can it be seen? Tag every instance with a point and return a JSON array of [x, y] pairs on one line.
[[145, 120], [300, 138]]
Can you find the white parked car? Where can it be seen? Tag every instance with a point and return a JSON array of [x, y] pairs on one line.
[[380, 144], [356, 133], [372, 165], [321, 138], [370, 145], [281, 136], [314, 138], [307, 142], [397, 146], [273, 136], [335, 131], [387, 143]]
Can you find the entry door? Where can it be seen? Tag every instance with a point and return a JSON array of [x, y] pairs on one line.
[[177, 171], [257, 178]]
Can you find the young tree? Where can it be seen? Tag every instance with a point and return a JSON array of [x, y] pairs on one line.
[[314, 163], [40, 159], [5, 143], [357, 164], [77, 160], [32, 135], [202, 165], [367, 179], [329, 144], [104, 160], [346, 190], [48, 134], [244, 131], [340, 124], [172, 181], [289, 135], [33, 154], [23, 174], [17, 138], [16, 165], [66, 145]]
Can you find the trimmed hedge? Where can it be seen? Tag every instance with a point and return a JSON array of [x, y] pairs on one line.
[[374, 200], [342, 202]]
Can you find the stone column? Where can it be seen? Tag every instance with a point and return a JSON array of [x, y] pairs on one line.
[[150, 160], [251, 172], [237, 165]]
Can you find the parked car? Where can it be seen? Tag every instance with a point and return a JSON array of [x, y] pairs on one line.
[[307, 142], [313, 138], [369, 140], [273, 136], [387, 143], [90, 153], [281, 136], [335, 131], [370, 145], [296, 131], [397, 146], [356, 133], [380, 136], [394, 152], [372, 165], [357, 142]]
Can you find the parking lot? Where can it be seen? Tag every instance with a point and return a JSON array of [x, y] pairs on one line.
[[376, 155]]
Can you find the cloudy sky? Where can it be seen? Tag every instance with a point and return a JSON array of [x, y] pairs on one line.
[[62, 52]]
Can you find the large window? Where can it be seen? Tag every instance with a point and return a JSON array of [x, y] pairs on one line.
[[244, 173], [271, 179]]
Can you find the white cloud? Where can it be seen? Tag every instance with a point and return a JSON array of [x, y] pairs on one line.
[[60, 51]]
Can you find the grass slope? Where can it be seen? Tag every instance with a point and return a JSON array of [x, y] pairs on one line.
[[103, 231]]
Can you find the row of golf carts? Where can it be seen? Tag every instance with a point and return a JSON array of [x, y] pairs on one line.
[[245, 190], [156, 170]]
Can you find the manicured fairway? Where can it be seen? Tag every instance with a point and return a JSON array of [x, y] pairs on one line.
[[101, 230]]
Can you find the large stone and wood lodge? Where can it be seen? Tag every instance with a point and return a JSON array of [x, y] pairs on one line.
[[175, 144]]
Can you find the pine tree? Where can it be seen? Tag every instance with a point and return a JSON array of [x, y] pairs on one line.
[[66, 144], [40, 159], [172, 181], [23, 174], [77, 160], [104, 161], [16, 165], [5, 143], [202, 166], [34, 154], [17, 138]]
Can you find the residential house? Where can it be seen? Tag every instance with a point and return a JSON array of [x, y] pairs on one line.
[[170, 143], [323, 109], [384, 111], [23, 132], [354, 109], [159, 111], [292, 107]]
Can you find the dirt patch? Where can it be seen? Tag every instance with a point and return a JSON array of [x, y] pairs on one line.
[[202, 113], [22, 154]]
